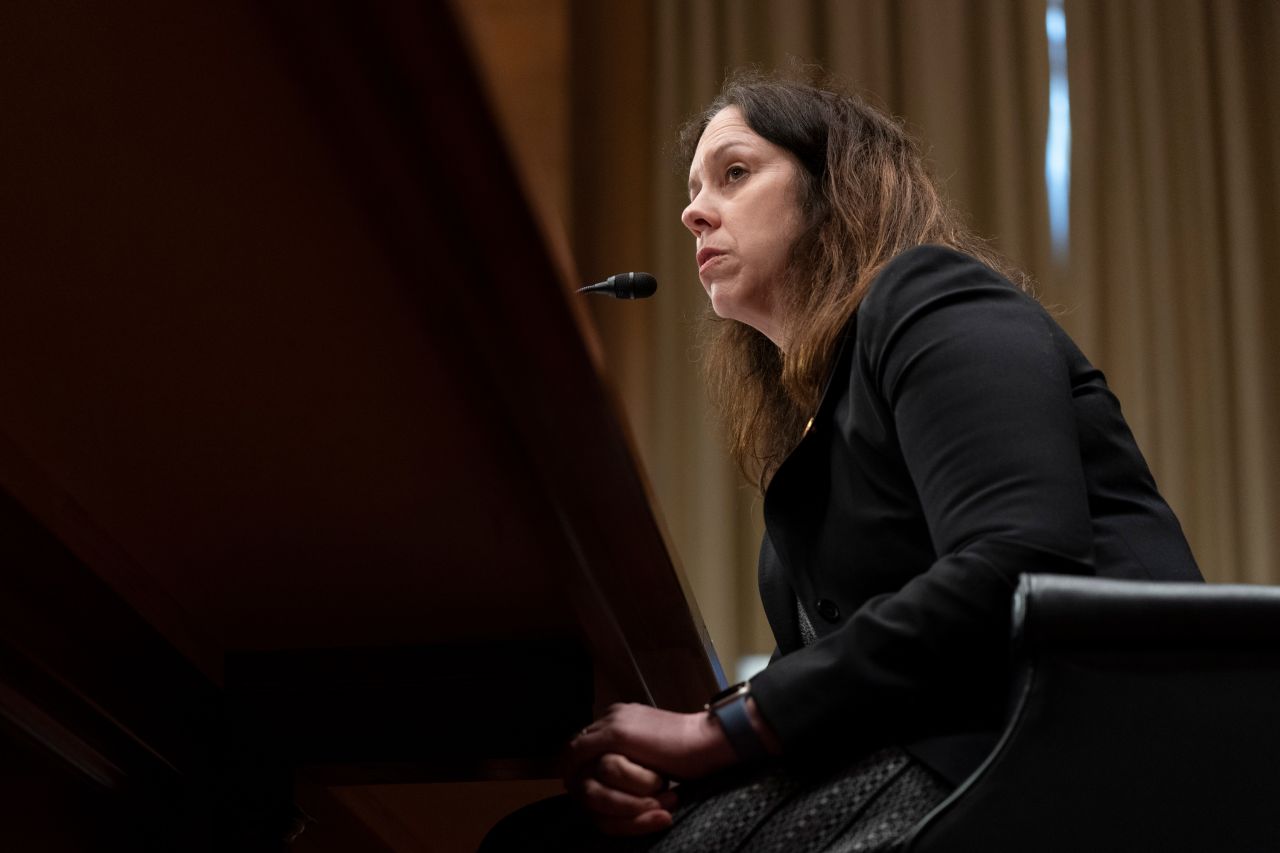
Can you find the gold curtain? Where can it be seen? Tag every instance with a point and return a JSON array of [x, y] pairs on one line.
[[1173, 213], [1170, 285]]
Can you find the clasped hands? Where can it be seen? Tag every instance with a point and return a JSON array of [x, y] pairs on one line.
[[620, 767]]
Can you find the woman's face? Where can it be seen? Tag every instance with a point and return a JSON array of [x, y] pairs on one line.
[[744, 210]]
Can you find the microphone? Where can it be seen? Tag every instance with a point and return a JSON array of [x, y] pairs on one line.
[[626, 285]]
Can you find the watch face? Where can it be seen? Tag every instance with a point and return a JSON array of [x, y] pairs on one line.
[[727, 695]]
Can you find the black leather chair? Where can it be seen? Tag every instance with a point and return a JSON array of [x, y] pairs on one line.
[[1145, 717]]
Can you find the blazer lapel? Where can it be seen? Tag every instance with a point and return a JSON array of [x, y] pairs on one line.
[[778, 598], [798, 484]]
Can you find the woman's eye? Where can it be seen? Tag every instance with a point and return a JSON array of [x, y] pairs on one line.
[[735, 173]]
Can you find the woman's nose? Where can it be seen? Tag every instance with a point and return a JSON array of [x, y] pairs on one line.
[[699, 216]]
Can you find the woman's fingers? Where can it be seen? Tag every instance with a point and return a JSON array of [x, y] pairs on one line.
[[642, 824], [619, 772], [590, 744], [610, 802], [623, 797]]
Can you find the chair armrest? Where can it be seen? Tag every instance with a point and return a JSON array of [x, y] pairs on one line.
[[1145, 716], [1061, 613]]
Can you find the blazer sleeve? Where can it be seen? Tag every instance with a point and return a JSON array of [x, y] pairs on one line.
[[980, 400]]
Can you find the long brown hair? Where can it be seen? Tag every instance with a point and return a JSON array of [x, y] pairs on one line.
[[867, 196]]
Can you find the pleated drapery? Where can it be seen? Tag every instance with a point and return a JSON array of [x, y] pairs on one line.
[[1171, 284]]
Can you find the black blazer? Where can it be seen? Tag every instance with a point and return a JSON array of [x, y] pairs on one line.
[[962, 439]]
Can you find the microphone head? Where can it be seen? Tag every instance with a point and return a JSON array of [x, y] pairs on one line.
[[634, 285], [627, 285]]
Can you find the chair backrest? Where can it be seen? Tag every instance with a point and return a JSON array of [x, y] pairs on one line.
[[1146, 716]]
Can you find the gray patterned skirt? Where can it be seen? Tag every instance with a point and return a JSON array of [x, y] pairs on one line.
[[864, 806]]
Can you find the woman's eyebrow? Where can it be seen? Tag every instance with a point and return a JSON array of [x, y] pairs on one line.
[[714, 153]]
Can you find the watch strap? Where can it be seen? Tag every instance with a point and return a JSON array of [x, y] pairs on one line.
[[736, 724]]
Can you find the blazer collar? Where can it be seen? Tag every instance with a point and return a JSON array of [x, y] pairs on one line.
[[827, 400]]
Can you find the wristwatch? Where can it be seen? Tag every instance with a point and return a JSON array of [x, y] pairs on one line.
[[729, 706]]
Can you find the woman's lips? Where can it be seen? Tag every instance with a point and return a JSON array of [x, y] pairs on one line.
[[707, 257]]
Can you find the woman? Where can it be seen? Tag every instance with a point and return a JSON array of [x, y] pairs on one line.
[[923, 433]]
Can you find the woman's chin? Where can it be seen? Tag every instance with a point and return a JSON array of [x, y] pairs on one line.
[[721, 302]]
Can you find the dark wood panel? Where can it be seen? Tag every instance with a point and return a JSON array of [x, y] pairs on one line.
[[209, 353], [84, 674], [418, 714], [290, 376], [391, 87], [287, 337], [104, 714]]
